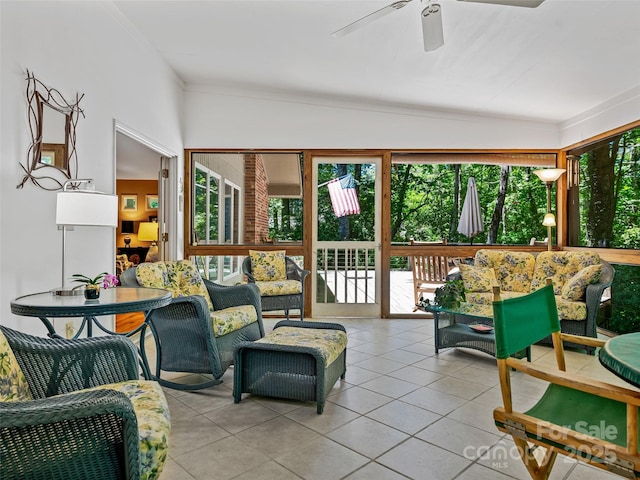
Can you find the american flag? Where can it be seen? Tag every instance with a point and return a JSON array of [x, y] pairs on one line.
[[343, 196]]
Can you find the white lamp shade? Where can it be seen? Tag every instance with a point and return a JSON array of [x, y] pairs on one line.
[[87, 208], [549, 174], [549, 220], [148, 231]]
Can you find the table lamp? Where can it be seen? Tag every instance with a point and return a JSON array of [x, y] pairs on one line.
[[549, 176], [127, 228], [82, 207], [148, 232]]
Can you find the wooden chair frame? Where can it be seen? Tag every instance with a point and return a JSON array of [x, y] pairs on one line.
[[429, 271], [558, 439]]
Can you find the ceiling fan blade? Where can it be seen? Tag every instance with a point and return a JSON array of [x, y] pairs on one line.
[[513, 3], [370, 18], [432, 33]]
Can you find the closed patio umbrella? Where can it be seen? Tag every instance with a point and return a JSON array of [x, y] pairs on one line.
[[470, 223]]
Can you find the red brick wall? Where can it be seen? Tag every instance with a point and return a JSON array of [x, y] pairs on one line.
[[256, 200]]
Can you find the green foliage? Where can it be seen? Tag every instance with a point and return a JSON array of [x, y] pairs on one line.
[[609, 207], [625, 300], [423, 205], [450, 295]]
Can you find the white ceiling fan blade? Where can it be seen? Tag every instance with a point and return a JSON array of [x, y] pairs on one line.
[[432, 33], [513, 3], [370, 18]]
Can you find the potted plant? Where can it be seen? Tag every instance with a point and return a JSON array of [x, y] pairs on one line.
[[92, 285], [448, 296]]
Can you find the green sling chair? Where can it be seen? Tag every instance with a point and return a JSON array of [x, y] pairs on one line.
[[570, 416]]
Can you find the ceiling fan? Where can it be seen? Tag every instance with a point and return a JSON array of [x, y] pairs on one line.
[[432, 32]]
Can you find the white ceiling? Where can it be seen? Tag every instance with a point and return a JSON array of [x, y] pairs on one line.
[[549, 64]]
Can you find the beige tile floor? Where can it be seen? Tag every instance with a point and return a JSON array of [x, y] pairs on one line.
[[401, 412]]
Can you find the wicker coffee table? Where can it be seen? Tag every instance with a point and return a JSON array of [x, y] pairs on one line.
[[455, 328]]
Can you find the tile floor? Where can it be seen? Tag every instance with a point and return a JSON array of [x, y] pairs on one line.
[[402, 412]]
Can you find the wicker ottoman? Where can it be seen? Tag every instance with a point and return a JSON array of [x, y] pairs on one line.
[[297, 361]]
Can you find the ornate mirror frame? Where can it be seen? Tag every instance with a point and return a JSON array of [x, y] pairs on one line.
[[50, 151]]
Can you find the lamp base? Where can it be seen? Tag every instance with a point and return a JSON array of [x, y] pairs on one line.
[[67, 292]]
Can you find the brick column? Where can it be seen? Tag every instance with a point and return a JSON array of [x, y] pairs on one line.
[[256, 199]]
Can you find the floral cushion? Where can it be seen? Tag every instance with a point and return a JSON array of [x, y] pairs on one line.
[[13, 383], [280, 287], [569, 310], [329, 343], [182, 278], [154, 425], [514, 270], [486, 298], [268, 266], [576, 286], [231, 319], [478, 279], [560, 267]]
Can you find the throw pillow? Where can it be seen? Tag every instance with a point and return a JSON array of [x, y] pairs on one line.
[[576, 286], [13, 387], [268, 266], [478, 279]]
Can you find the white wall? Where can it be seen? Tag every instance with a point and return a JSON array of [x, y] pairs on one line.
[[75, 47], [617, 112], [224, 120]]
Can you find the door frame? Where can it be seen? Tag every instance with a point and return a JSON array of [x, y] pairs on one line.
[[169, 198], [384, 218]]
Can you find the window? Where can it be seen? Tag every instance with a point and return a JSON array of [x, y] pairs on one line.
[[604, 193], [206, 205]]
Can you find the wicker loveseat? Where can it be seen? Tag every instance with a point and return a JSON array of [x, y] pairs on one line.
[[76, 409], [579, 280]]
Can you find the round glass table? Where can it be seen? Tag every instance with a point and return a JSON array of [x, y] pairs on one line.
[[620, 356], [46, 305]]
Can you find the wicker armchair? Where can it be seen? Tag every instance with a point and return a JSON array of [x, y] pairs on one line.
[[187, 333], [70, 409], [272, 301]]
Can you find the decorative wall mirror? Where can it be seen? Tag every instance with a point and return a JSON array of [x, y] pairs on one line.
[[52, 123]]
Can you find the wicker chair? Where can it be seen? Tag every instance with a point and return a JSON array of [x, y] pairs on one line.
[[271, 302], [84, 433], [184, 331]]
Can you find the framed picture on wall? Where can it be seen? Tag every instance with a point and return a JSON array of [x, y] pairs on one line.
[[129, 202], [152, 202]]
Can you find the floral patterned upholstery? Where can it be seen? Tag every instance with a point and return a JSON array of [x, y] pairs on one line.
[[279, 287], [154, 425], [570, 273], [183, 279], [13, 384], [478, 279], [268, 266], [576, 286], [232, 319], [481, 303], [330, 343], [560, 267], [514, 270]]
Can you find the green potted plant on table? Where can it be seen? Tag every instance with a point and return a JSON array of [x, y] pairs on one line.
[[92, 285], [448, 296]]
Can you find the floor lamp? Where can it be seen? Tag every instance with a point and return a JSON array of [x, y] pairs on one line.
[[82, 207], [549, 176]]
